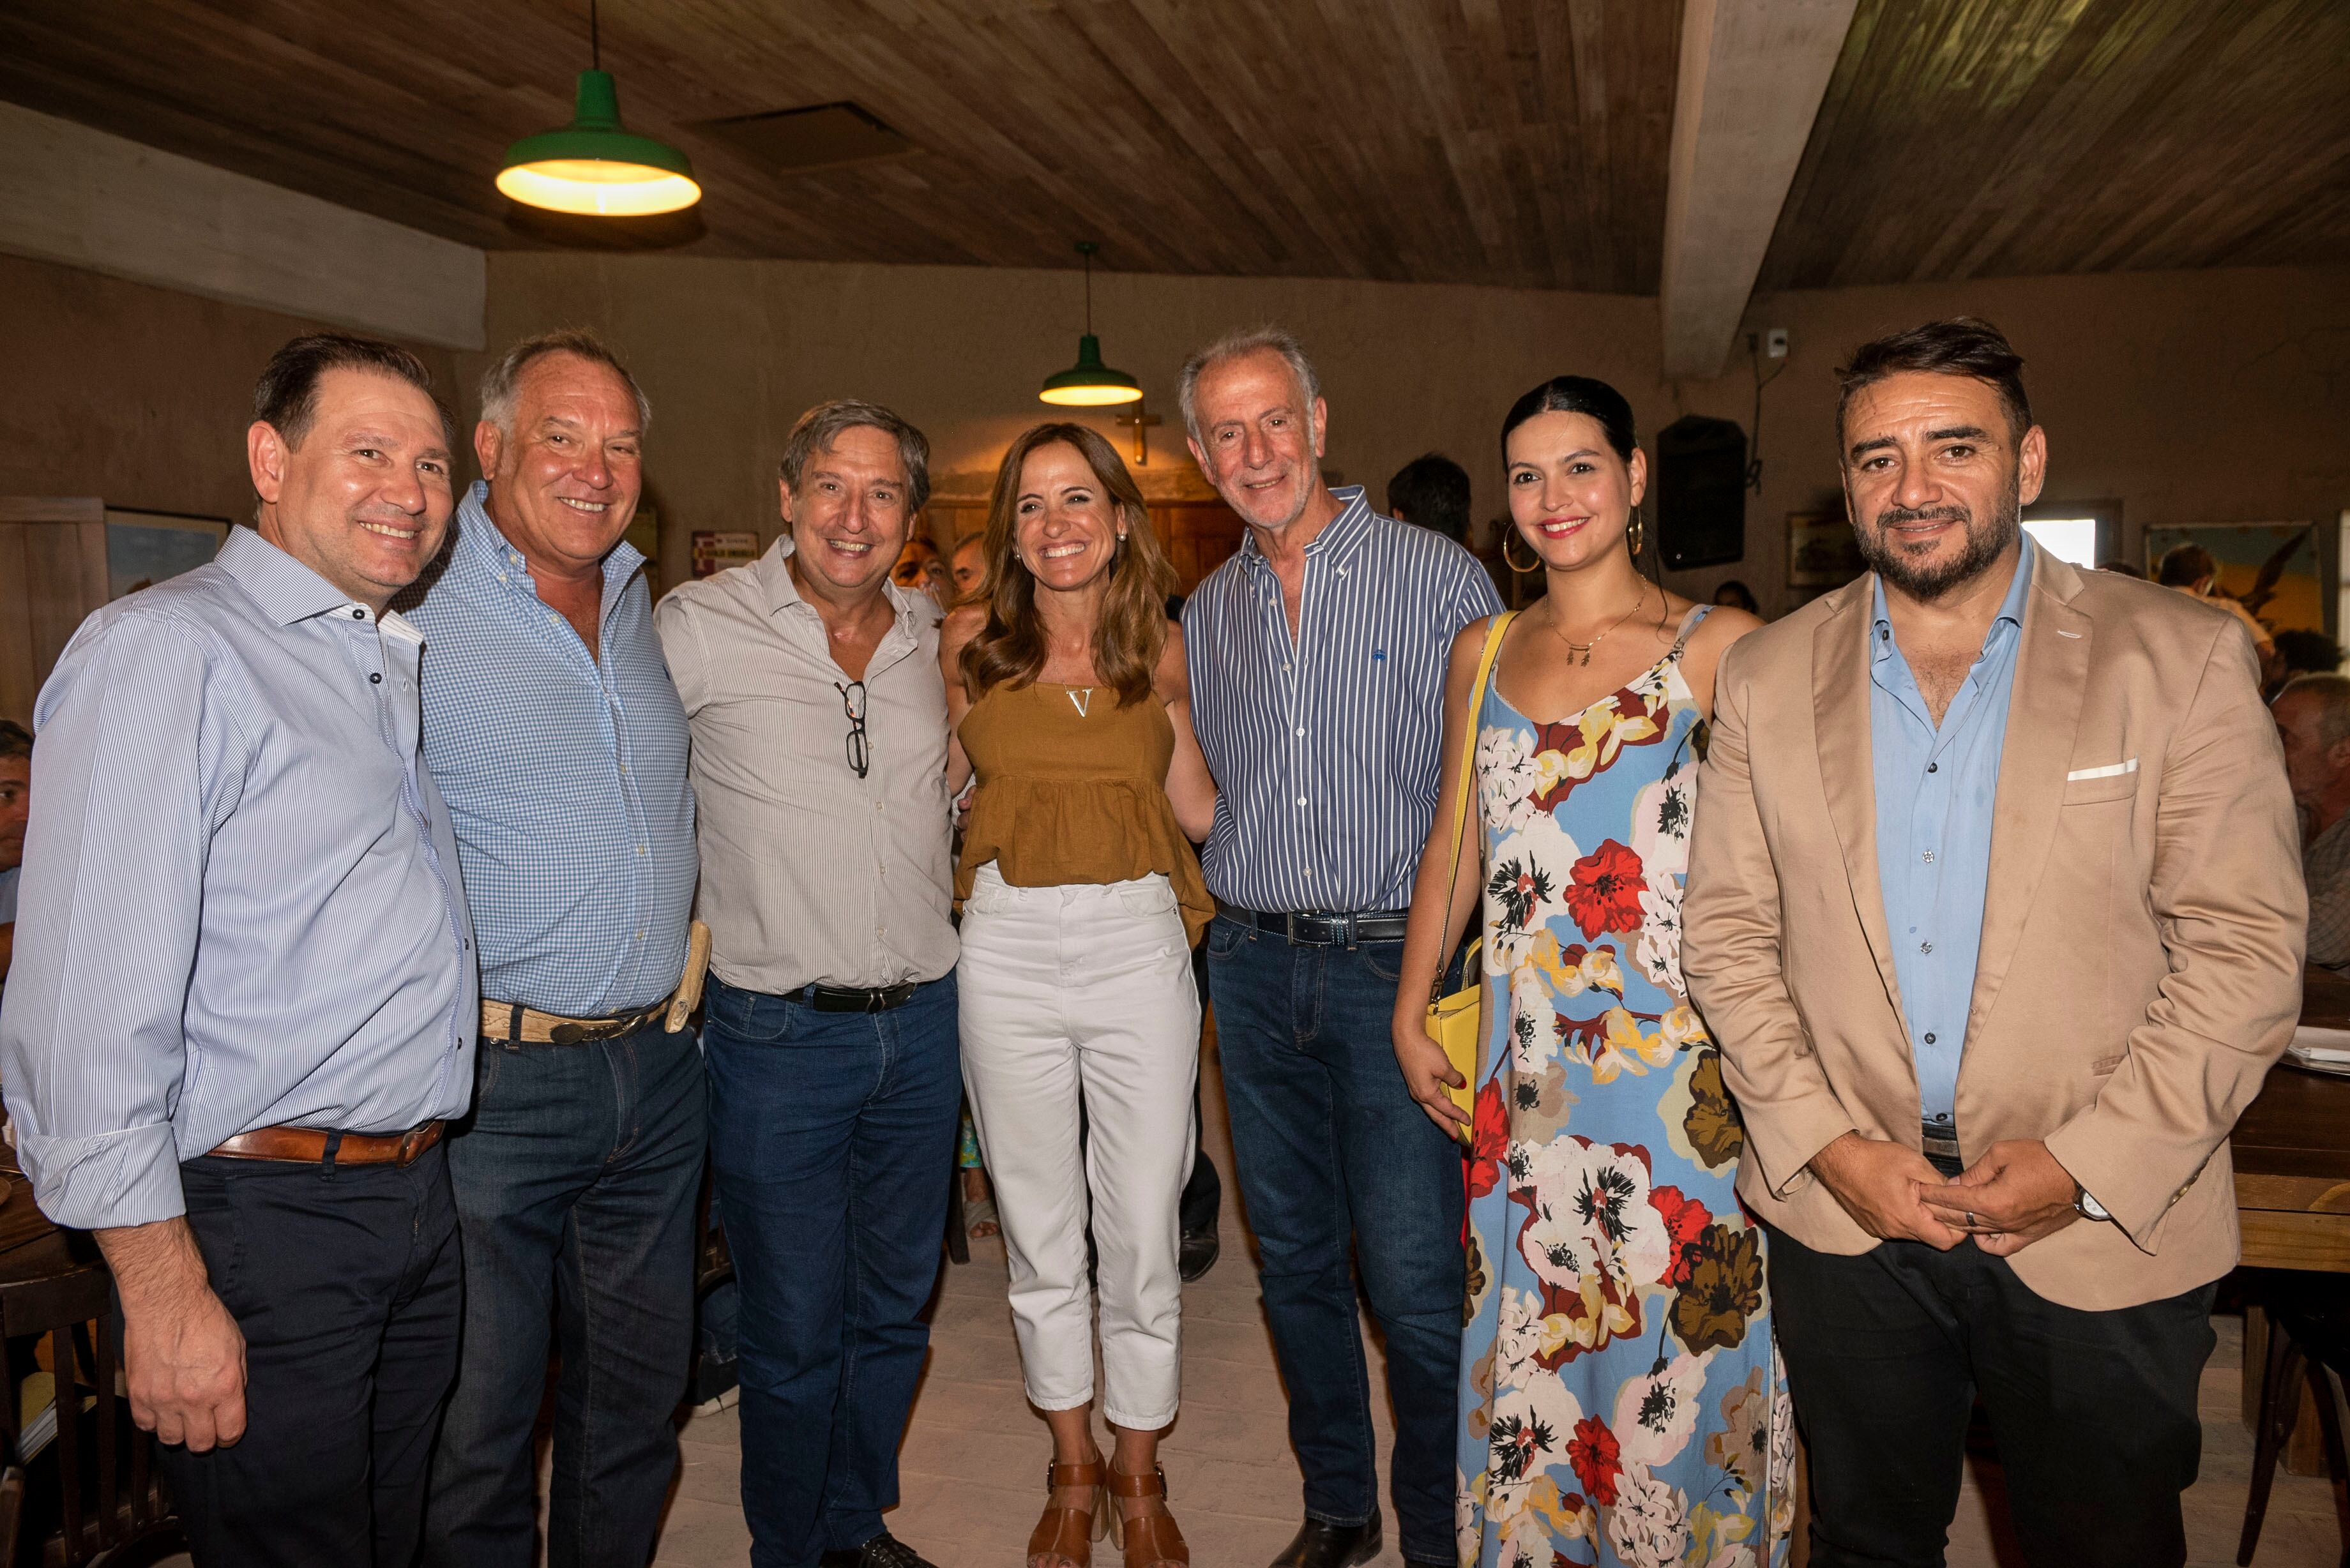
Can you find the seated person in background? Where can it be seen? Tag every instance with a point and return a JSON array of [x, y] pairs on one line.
[[1735, 595], [920, 571], [15, 803], [967, 566], [1431, 490], [2312, 717], [2195, 571], [2307, 653]]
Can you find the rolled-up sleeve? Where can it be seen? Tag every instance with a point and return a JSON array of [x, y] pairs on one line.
[[136, 763]]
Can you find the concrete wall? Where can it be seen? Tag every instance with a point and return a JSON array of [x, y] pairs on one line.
[[2188, 397], [134, 394]]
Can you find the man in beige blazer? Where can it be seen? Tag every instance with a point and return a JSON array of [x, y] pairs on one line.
[[1994, 908]]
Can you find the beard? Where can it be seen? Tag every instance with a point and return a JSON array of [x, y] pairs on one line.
[[1277, 515], [1926, 580]]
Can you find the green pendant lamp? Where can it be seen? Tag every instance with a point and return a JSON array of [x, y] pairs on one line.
[[592, 165], [1089, 383]]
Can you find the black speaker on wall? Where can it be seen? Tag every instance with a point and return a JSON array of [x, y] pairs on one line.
[[1701, 493]]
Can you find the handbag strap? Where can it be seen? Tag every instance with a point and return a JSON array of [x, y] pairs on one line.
[[1492, 650]]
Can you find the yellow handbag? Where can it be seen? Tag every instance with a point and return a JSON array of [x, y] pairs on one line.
[[1456, 1021]]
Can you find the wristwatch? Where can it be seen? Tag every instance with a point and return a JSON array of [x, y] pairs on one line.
[[2086, 1207]]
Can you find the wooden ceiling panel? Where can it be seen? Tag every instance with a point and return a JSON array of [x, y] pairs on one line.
[[1514, 142], [1982, 137], [1502, 141]]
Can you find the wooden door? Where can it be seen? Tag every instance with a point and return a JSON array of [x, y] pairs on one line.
[[1198, 536], [52, 574]]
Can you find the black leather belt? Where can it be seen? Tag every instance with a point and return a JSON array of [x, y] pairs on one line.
[[1321, 929], [855, 999]]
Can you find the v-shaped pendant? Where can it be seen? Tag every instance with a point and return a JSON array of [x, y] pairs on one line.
[[1081, 701]]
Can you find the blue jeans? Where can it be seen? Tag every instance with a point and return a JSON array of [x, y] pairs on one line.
[[833, 1137], [1331, 1148], [576, 1178]]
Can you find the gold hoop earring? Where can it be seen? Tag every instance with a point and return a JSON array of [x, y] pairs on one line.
[[1637, 534], [1511, 537]]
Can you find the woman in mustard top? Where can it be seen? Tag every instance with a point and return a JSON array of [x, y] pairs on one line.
[[1081, 897]]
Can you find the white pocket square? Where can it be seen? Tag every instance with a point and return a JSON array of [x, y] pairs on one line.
[[2109, 771]]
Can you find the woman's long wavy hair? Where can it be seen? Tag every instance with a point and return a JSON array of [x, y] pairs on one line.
[[1132, 632]]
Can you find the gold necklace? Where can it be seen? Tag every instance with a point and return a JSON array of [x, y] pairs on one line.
[[1584, 648]]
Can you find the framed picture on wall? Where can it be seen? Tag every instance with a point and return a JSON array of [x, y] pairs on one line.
[[2272, 568], [714, 551], [143, 548], [1821, 551]]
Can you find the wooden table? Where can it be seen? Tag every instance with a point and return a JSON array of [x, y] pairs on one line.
[[2292, 1148], [2293, 1155]]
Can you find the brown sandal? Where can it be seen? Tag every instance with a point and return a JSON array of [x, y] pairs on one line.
[[1068, 1534], [1150, 1539]]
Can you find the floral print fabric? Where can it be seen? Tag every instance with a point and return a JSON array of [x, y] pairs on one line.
[[1621, 1401]]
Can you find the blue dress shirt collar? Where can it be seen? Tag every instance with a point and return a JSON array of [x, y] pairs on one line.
[[2011, 607], [287, 590]]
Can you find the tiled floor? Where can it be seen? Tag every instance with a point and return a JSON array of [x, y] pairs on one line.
[[974, 1458]]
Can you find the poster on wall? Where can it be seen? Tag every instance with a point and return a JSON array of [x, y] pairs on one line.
[[1821, 550], [2272, 568], [143, 548], [714, 552]]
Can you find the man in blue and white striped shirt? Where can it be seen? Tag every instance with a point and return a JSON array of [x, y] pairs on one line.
[[1317, 662], [552, 725]]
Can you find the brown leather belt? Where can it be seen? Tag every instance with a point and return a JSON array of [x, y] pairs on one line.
[[308, 1145], [508, 1022]]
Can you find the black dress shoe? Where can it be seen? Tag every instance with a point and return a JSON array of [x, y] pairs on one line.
[[1200, 1250], [884, 1551], [1320, 1545]]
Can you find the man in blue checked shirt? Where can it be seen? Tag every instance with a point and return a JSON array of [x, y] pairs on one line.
[[1318, 656], [242, 1003], [550, 719]]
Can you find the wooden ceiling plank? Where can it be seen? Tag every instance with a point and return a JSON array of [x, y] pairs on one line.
[[1753, 74]]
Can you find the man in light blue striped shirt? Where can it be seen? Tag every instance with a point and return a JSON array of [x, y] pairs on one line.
[[557, 737], [1317, 661], [244, 998]]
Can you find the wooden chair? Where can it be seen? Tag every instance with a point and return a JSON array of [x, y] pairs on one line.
[[12, 1500], [2309, 1332], [58, 1287]]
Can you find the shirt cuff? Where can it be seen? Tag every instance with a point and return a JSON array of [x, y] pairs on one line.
[[119, 1178]]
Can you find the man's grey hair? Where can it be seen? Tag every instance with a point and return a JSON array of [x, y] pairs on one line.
[[1265, 339], [500, 381], [2331, 692], [827, 422]]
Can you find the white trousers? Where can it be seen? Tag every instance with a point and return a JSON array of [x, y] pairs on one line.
[[1086, 992]]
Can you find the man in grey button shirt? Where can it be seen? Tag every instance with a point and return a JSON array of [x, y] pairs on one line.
[[811, 687], [244, 1000]]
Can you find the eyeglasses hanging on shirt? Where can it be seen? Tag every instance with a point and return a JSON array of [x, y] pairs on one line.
[[861, 747]]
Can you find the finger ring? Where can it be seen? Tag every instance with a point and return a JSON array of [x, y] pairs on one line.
[[1971, 1217]]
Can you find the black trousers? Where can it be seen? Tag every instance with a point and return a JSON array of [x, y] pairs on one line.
[[346, 1282], [2093, 1412], [1203, 1193]]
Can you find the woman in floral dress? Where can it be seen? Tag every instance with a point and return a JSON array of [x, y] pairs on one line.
[[1620, 1401]]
